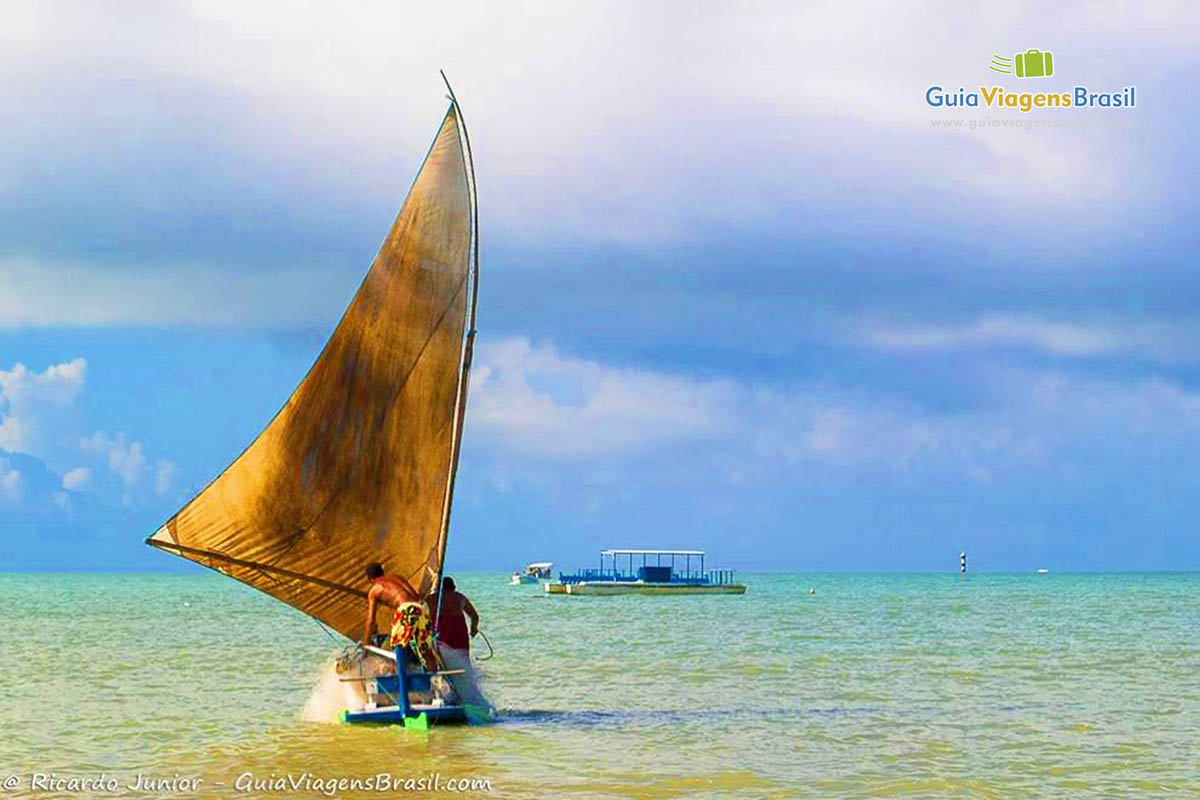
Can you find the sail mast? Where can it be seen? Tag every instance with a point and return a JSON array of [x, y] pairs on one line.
[[460, 408]]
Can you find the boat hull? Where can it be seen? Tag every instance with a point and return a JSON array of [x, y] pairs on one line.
[[609, 588], [418, 716]]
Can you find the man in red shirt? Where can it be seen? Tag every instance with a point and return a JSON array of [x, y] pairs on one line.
[[454, 642], [452, 623]]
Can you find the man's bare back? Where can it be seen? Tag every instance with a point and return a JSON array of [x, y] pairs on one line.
[[392, 590], [388, 590]]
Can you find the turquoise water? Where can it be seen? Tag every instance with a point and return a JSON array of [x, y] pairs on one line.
[[876, 685]]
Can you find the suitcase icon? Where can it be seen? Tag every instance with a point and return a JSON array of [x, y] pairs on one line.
[[1035, 64]]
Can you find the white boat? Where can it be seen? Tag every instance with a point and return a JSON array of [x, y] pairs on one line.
[[537, 571]]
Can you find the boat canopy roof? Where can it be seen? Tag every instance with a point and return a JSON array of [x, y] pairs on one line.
[[540, 565], [652, 552]]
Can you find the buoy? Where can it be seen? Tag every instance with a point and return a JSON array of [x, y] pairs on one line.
[[811, 590]]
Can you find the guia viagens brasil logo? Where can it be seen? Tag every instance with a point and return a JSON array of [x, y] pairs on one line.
[[1032, 63]]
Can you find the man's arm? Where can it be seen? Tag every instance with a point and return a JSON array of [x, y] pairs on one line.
[[369, 629], [470, 611]]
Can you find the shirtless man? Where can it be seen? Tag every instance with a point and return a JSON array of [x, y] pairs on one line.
[[410, 622]]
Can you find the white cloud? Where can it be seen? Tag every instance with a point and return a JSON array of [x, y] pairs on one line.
[[165, 473], [1068, 408], [1160, 342], [534, 402], [38, 418], [32, 400], [652, 74], [39, 293], [77, 478], [10, 482], [709, 118], [565, 96], [535, 406], [126, 459], [539, 401]]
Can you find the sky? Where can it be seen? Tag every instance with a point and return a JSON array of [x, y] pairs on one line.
[[743, 289]]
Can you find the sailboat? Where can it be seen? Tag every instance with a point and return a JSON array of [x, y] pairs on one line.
[[359, 465]]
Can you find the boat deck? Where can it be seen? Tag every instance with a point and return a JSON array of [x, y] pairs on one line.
[[659, 572], [604, 588]]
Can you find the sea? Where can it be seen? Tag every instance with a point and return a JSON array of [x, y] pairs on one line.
[[809, 685]]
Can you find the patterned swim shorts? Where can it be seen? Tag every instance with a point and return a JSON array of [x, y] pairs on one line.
[[412, 627]]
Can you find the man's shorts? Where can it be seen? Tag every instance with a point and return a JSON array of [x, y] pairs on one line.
[[412, 627]]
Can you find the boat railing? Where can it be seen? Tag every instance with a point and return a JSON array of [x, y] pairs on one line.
[[714, 577]]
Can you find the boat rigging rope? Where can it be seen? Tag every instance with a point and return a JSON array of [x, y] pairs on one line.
[[328, 632], [491, 652]]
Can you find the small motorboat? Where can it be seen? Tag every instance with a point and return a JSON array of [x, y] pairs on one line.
[[533, 573]]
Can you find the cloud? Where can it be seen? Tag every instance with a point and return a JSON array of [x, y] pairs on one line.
[[32, 400], [10, 482], [165, 473], [677, 69], [77, 478], [38, 419], [533, 402], [127, 460], [535, 407], [689, 126], [124, 458], [1162, 342], [42, 293], [534, 399], [1067, 408]]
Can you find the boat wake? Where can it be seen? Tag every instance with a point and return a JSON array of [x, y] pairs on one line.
[[584, 719], [330, 694]]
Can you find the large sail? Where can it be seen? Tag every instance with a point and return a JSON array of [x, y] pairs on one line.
[[358, 465]]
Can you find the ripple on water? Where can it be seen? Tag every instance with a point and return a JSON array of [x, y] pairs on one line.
[[998, 686]]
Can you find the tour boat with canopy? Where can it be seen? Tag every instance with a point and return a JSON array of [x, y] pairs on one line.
[[661, 572]]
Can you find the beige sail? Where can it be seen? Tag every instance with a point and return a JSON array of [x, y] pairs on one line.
[[357, 466]]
